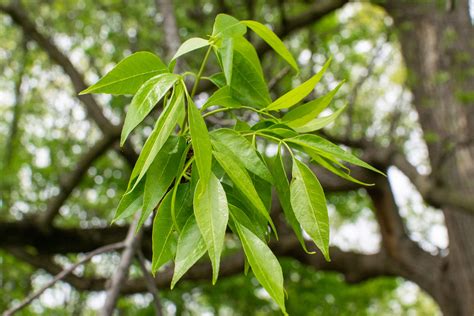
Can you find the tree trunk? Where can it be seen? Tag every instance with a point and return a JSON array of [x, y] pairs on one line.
[[438, 47]]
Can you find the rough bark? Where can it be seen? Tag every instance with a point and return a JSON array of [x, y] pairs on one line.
[[438, 48]]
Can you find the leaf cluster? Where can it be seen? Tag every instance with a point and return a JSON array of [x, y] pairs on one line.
[[202, 183]]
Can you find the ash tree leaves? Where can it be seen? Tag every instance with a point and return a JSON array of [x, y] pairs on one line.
[[129, 74], [199, 182]]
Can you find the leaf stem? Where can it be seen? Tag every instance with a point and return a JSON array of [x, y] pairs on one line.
[[175, 190], [198, 77]]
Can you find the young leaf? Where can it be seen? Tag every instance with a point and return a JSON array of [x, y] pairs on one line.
[[160, 175], [248, 84], [264, 264], [272, 39], [163, 129], [227, 26], [191, 247], [190, 45], [212, 213], [241, 179], [243, 150], [130, 202], [305, 113], [162, 235], [129, 74], [294, 96], [200, 140], [223, 98], [320, 122], [145, 100], [309, 205], [218, 79], [283, 189], [325, 148]]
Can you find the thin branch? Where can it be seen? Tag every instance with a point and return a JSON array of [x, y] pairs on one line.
[[61, 275], [150, 283], [72, 180], [121, 274]]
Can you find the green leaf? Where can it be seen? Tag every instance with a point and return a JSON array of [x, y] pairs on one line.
[[241, 179], [191, 247], [163, 229], [264, 264], [227, 26], [190, 45], [218, 79], [248, 85], [320, 122], [129, 74], [240, 216], [327, 149], [326, 163], [226, 52], [200, 140], [163, 129], [160, 175], [149, 94], [130, 202], [309, 204], [299, 93], [223, 98], [272, 39], [282, 187], [303, 114], [212, 213], [243, 150]]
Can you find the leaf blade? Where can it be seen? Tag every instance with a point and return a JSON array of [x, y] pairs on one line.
[[190, 45]]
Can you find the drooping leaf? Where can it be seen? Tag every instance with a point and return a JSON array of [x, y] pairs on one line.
[[309, 205], [162, 235], [320, 122], [264, 264], [248, 84], [129, 74], [191, 247], [212, 213], [282, 187], [149, 94], [241, 217], [160, 175], [223, 98], [227, 26], [303, 114], [200, 140], [327, 149], [294, 96], [272, 39], [243, 150], [190, 45], [327, 164], [163, 129], [239, 176]]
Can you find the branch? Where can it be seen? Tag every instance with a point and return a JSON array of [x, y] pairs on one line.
[[150, 283], [72, 180], [170, 27], [120, 275], [60, 276], [310, 16], [19, 17]]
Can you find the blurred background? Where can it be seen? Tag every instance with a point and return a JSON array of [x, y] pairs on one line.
[[402, 247]]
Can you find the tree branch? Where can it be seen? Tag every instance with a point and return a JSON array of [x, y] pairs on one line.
[[60, 276]]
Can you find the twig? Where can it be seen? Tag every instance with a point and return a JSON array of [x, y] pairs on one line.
[[120, 276], [150, 284], [61, 275]]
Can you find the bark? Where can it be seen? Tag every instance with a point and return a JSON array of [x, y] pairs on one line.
[[438, 48]]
